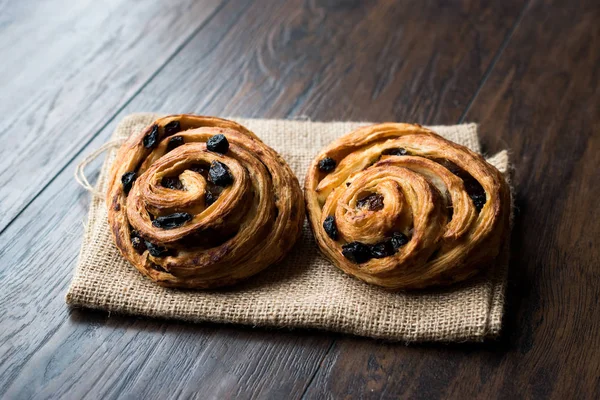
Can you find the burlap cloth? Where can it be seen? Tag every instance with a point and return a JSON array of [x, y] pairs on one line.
[[305, 290]]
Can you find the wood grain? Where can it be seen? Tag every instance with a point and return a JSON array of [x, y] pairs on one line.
[[336, 60], [541, 101], [429, 62], [68, 66]]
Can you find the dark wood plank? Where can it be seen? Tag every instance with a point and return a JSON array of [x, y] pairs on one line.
[[541, 101], [68, 66], [320, 59], [336, 60]]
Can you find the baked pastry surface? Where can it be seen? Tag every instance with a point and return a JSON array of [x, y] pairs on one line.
[[398, 206], [202, 202]]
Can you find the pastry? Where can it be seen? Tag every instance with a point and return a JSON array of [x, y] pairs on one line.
[[398, 206], [201, 202]]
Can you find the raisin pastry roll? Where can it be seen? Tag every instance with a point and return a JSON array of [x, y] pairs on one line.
[[202, 202], [398, 206]]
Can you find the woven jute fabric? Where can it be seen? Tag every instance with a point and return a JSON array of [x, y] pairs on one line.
[[303, 291]]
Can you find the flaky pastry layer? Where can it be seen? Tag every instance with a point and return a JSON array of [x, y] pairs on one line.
[[202, 202], [398, 206]]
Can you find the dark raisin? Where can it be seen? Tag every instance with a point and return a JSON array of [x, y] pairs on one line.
[[479, 200], [157, 267], [399, 151], [218, 144], [151, 139], [472, 186], [171, 182], [450, 166], [209, 198], [348, 184], [382, 249], [172, 128], [172, 221], [137, 242], [156, 250], [475, 191], [373, 202], [398, 240], [357, 252], [127, 180], [327, 164], [219, 174], [174, 142], [330, 227]]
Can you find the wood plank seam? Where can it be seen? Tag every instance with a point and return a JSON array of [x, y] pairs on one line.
[[320, 364], [497, 56]]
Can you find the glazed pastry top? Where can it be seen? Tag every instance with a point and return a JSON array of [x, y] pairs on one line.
[[202, 202], [399, 206]]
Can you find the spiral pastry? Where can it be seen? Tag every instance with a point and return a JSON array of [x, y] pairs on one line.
[[398, 206], [201, 202]]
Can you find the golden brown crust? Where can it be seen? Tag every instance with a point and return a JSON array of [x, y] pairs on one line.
[[446, 202], [253, 222]]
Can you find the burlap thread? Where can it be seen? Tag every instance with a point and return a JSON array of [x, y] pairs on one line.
[[305, 290]]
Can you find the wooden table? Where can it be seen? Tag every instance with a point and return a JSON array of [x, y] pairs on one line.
[[527, 71]]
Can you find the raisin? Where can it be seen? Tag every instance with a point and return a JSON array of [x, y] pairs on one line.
[[357, 252], [479, 200], [157, 267], [172, 221], [171, 182], [450, 166], [373, 202], [219, 174], [472, 186], [127, 180], [398, 240], [382, 249], [151, 139], [138, 245], [218, 144], [399, 151], [475, 191], [209, 198], [330, 227], [137, 242], [327, 164], [172, 128], [174, 142], [156, 250]]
